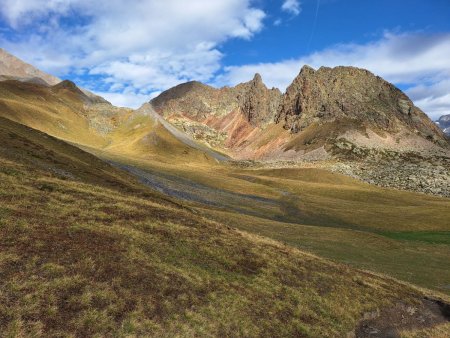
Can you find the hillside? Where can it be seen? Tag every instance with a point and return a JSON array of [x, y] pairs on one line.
[[67, 112], [90, 271]]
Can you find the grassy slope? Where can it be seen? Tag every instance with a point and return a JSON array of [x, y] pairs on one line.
[[399, 233], [57, 113], [402, 234], [61, 113], [83, 254]]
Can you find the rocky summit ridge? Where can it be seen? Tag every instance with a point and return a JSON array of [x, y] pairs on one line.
[[320, 110], [258, 103], [351, 93], [199, 101]]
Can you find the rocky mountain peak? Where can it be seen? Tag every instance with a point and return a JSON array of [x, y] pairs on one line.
[[352, 94], [257, 78], [306, 69], [258, 103]]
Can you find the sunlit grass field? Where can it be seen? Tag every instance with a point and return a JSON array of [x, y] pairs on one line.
[[403, 234]]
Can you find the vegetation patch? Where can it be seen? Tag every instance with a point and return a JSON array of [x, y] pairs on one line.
[[431, 237]]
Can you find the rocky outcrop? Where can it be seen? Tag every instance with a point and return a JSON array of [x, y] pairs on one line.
[[198, 101], [258, 103], [353, 94], [444, 124]]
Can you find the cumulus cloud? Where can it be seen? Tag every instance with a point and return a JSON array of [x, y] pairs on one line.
[[128, 99], [127, 51], [433, 98], [145, 45], [291, 6], [416, 60]]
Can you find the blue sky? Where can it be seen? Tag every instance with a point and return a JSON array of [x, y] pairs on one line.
[[129, 51]]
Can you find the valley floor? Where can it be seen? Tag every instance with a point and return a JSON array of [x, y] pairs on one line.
[[403, 234]]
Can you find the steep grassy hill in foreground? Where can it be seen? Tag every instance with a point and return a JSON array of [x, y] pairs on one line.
[[85, 251], [403, 234]]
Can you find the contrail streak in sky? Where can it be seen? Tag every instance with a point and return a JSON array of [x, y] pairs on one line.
[[314, 26]]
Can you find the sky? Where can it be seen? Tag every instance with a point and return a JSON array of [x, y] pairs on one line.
[[130, 51]]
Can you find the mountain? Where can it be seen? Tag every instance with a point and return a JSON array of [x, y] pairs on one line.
[[12, 68], [356, 98], [319, 112], [222, 118], [65, 111], [444, 124]]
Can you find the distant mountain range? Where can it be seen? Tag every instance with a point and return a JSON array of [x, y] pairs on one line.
[[62, 109], [444, 123]]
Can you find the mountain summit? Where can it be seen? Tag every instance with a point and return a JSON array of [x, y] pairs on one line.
[[15, 69], [320, 110], [330, 94]]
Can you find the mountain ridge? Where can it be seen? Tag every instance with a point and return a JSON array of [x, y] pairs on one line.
[[13, 68], [318, 108]]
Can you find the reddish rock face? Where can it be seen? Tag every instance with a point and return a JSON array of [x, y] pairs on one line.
[[197, 101]]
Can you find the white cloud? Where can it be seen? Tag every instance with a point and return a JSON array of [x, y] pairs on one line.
[[291, 6], [417, 60], [128, 98], [145, 44], [434, 98]]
